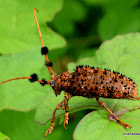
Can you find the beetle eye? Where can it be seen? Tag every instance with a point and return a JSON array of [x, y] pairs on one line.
[[52, 83]]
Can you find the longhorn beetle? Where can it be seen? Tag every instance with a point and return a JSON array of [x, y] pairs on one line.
[[85, 81]]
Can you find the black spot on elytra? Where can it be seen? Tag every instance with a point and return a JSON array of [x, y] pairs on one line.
[[105, 72], [96, 71], [80, 66], [112, 88], [87, 66], [133, 85], [121, 76], [115, 80], [108, 90], [78, 74], [116, 72], [85, 87], [77, 67], [96, 88], [101, 76], [130, 79], [125, 93], [73, 76], [72, 82], [101, 82]]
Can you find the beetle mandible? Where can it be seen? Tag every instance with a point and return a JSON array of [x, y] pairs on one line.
[[85, 81]]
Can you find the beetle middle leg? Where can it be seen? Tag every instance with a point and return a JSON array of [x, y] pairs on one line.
[[66, 118], [111, 113]]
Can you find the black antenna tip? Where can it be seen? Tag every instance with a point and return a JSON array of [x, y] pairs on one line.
[[44, 50], [34, 77]]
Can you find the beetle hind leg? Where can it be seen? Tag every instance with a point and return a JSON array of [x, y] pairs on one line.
[[111, 113]]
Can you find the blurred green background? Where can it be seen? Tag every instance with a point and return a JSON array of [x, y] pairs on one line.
[[73, 30]]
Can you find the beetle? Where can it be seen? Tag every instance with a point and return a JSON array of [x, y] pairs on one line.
[[85, 81]]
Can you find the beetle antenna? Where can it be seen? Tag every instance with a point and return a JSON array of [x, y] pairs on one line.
[[32, 78], [44, 49]]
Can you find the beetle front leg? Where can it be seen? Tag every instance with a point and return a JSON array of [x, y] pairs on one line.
[[111, 113], [53, 118]]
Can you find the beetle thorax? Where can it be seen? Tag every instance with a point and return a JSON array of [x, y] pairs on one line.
[[60, 82]]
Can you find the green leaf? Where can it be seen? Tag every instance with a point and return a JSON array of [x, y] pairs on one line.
[[119, 21], [118, 17], [18, 27], [21, 94], [22, 126], [3, 137], [72, 11], [113, 3], [96, 125], [119, 54]]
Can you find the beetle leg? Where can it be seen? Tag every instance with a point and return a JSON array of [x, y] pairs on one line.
[[66, 118], [111, 113], [53, 118], [63, 107]]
